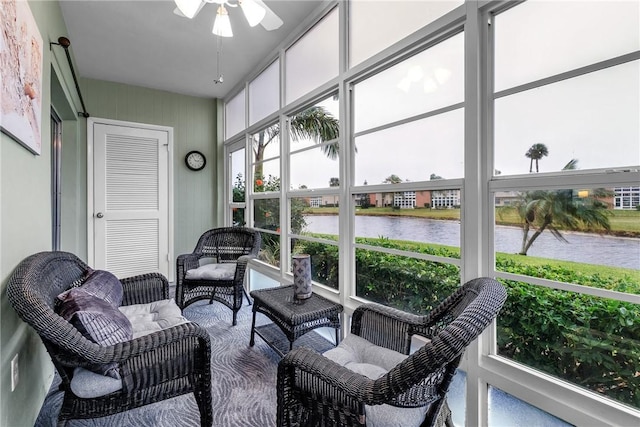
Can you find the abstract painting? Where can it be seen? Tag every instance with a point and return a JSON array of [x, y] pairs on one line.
[[20, 74]]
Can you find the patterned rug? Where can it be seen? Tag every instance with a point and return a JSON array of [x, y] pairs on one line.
[[243, 379]]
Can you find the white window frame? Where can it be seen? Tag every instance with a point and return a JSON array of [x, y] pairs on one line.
[[478, 188]]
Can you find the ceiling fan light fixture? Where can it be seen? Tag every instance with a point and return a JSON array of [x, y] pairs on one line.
[[222, 24], [252, 11], [189, 8]]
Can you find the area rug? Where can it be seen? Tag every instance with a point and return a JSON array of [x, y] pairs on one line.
[[243, 379]]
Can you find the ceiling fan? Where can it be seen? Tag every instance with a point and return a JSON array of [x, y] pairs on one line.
[[255, 11]]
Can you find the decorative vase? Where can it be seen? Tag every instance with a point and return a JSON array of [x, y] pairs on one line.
[[302, 276]]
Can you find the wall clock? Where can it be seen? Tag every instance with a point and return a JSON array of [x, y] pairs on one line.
[[195, 160]]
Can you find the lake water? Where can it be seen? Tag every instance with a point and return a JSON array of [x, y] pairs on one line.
[[580, 247]]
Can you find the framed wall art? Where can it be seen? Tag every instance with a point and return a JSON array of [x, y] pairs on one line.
[[20, 75]]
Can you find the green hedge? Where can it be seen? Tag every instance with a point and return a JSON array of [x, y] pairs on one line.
[[401, 282], [589, 341]]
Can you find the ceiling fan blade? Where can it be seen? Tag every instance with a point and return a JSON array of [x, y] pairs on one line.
[[178, 12], [271, 21]]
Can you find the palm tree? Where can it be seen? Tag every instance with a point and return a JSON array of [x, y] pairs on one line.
[[536, 152], [543, 209], [314, 123], [555, 210]]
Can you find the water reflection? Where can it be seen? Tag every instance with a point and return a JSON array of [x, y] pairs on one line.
[[581, 247]]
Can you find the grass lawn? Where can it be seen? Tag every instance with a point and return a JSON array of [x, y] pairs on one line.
[[622, 222], [585, 269]]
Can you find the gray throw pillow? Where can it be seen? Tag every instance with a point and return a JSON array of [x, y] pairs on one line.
[[98, 320], [101, 284]]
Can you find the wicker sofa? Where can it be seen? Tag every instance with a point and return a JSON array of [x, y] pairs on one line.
[[159, 365]]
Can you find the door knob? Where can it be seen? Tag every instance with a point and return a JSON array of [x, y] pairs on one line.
[[99, 215]]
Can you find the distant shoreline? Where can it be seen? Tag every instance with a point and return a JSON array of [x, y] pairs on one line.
[[441, 215]]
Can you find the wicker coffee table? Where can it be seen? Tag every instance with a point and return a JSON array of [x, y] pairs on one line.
[[294, 318]]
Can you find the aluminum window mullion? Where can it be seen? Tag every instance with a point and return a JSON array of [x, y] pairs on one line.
[[598, 66], [411, 119], [439, 184], [285, 208], [327, 191], [408, 254], [568, 179], [570, 287], [474, 213], [315, 146], [346, 219], [265, 160], [314, 239], [266, 195]]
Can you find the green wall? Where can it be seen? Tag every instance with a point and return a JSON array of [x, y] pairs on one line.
[[194, 123], [25, 228], [25, 193]]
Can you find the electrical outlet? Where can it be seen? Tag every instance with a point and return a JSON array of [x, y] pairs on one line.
[[14, 372]]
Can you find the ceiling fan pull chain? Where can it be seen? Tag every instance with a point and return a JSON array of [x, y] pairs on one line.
[[220, 78]]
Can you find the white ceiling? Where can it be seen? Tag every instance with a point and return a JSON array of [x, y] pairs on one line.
[[144, 43]]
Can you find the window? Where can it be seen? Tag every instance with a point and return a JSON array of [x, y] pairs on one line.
[[408, 250], [420, 149], [313, 60], [237, 193], [593, 118], [468, 133], [591, 113], [264, 93], [567, 252], [426, 82], [266, 159], [406, 255], [265, 189], [314, 199], [234, 114], [314, 159], [627, 198], [376, 25], [524, 54], [423, 118]]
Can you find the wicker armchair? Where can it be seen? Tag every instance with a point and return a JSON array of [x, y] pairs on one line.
[[314, 390], [233, 246], [154, 367]]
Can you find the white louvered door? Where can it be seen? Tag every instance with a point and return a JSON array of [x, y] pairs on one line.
[[131, 205]]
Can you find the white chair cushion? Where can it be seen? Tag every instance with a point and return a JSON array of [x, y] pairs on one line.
[[360, 356], [226, 271], [145, 319], [155, 316]]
